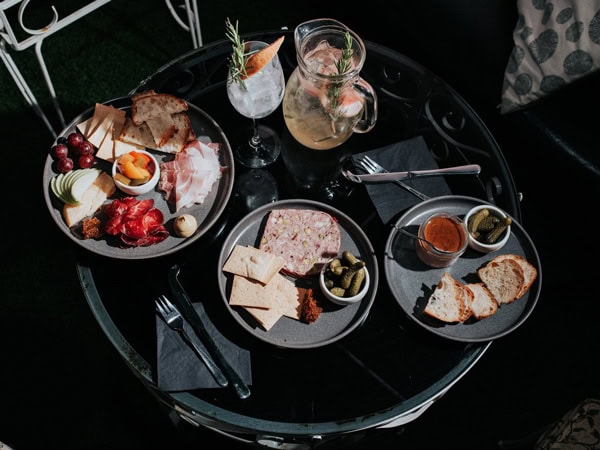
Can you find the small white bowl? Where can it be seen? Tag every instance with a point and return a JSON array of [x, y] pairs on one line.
[[481, 246], [142, 188], [343, 300]]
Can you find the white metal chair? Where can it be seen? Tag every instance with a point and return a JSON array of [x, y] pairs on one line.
[[35, 38]]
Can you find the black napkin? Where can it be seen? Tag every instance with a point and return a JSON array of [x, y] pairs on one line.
[[412, 154], [181, 369]]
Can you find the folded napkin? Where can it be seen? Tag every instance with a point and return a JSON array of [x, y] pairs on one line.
[[181, 369], [412, 154]]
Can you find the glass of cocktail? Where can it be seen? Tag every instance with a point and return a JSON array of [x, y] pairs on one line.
[[255, 87]]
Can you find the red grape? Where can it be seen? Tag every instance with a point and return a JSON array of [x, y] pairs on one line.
[[59, 151], [64, 165], [74, 139], [86, 161], [85, 148]]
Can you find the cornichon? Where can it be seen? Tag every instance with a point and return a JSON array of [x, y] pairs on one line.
[[357, 280], [495, 234], [338, 291], [349, 257], [488, 223], [476, 218]]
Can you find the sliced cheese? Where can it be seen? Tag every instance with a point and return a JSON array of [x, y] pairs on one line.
[[100, 113], [104, 128], [84, 126], [106, 148]]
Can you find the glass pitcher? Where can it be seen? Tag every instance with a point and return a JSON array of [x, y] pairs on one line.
[[325, 99]]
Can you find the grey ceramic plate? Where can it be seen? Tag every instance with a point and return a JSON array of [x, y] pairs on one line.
[[335, 322], [412, 282], [206, 214]]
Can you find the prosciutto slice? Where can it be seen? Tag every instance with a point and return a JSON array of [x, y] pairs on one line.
[[189, 178]]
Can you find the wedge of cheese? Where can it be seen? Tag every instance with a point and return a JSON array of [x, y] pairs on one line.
[[91, 200]]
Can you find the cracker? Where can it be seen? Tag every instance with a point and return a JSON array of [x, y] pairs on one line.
[[266, 303], [253, 263]]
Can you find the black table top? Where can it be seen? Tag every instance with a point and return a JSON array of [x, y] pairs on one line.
[[386, 368]]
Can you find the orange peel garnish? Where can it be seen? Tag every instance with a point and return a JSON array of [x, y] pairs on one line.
[[261, 58]]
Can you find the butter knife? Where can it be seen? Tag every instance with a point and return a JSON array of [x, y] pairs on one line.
[[189, 313], [469, 169]]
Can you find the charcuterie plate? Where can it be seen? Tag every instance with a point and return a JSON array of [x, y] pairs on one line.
[[205, 213], [335, 322], [412, 282]]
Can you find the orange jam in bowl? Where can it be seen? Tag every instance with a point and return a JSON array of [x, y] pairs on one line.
[[449, 236]]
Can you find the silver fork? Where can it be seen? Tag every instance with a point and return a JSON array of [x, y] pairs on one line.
[[371, 166], [174, 320]]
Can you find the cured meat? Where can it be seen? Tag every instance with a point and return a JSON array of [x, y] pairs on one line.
[[137, 223], [189, 178], [305, 238]]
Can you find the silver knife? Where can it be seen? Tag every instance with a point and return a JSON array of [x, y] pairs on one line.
[[190, 314], [469, 169]]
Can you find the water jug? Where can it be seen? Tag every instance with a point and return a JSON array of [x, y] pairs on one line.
[[325, 99]]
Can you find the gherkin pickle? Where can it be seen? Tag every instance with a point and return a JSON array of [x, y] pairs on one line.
[[495, 234], [488, 223], [349, 257], [344, 276], [357, 281], [338, 291], [477, 218]]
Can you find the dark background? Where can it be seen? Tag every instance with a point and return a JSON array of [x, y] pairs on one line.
[[63, 385]]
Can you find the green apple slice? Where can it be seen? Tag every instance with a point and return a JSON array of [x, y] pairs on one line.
[[80, 182]]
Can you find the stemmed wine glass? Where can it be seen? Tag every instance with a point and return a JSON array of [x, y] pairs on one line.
[[255, 97]]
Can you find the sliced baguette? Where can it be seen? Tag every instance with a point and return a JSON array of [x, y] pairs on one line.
[[504, 278], [529, 271], [484, 304], [450, 301]]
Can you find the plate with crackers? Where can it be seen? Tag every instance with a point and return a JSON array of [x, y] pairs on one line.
[[481, 297], [166, 127], [268, 273]]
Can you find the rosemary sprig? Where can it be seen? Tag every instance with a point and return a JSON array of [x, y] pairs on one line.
[[237, 61], [343, 65]]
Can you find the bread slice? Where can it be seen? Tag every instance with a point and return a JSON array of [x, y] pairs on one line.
[[182, 134], [91, 200], [151, 106], [504, 278], [529, 271], [137, 134], [484, 304], [450, 301], [253, 263], [162, 128]]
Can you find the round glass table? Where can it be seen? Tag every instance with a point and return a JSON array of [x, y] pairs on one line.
[[389, 369]]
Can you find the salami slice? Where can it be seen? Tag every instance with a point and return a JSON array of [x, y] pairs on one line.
[[305, 238]]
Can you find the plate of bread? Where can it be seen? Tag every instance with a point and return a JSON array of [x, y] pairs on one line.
[[480, 297], [196, 173], [268, 273]]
